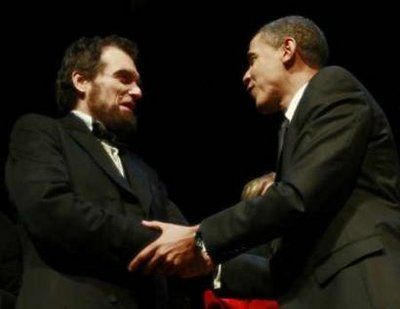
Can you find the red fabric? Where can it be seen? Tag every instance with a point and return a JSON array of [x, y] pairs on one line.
[[213, 302]]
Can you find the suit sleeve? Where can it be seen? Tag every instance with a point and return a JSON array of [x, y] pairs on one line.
[[325, 160], [57, 219]]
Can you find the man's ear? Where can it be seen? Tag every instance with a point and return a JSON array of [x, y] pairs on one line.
[[289, 47], [80, 82]]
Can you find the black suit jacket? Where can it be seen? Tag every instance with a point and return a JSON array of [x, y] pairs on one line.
[[81, 218], [336, 201], [10, 263]]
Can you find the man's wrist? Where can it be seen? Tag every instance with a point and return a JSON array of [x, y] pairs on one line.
[[199, 242]]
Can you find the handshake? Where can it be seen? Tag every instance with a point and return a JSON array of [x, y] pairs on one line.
[[177, 251]]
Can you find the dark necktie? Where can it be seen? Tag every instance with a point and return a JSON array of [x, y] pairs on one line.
[[101, 132], [112, 148], [281, 136], [275, 244]]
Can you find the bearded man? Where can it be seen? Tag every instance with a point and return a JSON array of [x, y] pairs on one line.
[[81, 194]]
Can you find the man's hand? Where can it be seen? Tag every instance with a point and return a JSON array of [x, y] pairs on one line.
[[174, 252], [258, 186], [201, 265]]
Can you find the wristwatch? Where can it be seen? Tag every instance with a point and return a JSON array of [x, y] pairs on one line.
[[199, 243]]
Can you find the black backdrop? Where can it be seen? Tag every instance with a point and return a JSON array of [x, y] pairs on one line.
[[198, 127]]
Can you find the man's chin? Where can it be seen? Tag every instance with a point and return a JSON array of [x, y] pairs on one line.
[[267, 108], [126, 113], [123, 125]]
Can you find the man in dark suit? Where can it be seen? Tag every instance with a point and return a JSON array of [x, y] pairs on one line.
[[332, 216], [81, 197]]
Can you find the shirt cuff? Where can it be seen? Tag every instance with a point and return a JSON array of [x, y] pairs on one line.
[[217, 277]]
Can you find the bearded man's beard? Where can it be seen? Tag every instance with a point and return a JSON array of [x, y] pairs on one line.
[[121, 123]]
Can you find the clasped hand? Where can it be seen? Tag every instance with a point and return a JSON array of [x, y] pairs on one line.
[[174, 252], [258, 186]]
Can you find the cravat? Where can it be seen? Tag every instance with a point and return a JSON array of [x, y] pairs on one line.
[[281, 135], [110, 144], [101, 132]]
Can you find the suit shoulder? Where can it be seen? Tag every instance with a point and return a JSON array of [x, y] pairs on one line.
[[32, 126], [336, 79], [335, 69], [34, 121], [333, 84]]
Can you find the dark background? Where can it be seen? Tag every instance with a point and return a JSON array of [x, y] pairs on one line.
[[198, 127]]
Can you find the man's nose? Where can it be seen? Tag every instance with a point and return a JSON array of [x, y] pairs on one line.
[[246, 78], [135, 91]]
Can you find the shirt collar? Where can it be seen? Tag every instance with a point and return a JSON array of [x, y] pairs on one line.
[[295, 102], [87, 119]]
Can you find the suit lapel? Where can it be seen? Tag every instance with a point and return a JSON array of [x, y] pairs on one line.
[[82, 135], [320, 83]]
